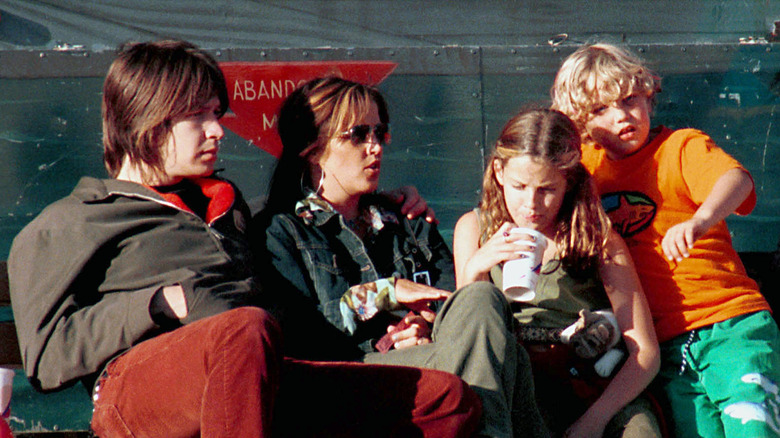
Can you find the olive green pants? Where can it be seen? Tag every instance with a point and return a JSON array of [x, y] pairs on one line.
[[473, 338]]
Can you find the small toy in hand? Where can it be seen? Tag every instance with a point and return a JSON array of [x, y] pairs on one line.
[[385, 343], [594, 334]]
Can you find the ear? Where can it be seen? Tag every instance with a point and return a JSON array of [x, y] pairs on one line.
[[498, 170], [313, 160]]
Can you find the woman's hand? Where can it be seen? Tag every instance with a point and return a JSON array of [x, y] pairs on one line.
[[501, 246], [416, 297], [418, 332]]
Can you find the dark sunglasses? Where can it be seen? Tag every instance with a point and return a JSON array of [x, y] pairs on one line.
[[360, 134]]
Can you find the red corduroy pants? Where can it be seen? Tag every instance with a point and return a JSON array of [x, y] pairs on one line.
[[224, 376]]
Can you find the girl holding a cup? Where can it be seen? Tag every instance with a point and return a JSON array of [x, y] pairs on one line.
[[538, 201]]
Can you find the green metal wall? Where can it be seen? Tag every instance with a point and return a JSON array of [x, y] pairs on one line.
[[464, 67], [447, 105]]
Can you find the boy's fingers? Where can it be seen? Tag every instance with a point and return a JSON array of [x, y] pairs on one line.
[[690, 238], [677, 249], [670, 250], [681, 244]]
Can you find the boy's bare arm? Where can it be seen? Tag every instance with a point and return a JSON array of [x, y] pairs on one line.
[[728, 193]]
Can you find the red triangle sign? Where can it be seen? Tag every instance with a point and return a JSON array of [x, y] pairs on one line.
[[257, 89]]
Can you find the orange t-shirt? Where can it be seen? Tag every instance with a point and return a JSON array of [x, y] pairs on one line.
[[662, 185]]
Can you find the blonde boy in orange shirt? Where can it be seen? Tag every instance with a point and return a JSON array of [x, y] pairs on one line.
[[667, 193]]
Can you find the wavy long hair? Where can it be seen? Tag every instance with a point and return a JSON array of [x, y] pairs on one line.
[[551, 137]]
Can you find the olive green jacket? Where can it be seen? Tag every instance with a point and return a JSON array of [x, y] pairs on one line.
[[83, 273]]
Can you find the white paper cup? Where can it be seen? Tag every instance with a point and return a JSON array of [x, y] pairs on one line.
[[520, 275], [6, 387]]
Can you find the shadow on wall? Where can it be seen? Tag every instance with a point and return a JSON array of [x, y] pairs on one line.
[[21, 32], [765, 269]]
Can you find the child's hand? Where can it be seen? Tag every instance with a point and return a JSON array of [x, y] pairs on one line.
[[680, 238], [728, 193], [502, 246]]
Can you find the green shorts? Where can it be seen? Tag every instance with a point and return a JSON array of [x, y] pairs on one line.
[[722, 380]]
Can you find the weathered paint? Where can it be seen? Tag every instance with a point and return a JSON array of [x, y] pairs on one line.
[[443, 123]]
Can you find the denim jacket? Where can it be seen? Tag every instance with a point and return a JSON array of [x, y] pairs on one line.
[[316, 251]]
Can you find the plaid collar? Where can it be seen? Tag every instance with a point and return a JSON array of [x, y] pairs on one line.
[[313, 209]]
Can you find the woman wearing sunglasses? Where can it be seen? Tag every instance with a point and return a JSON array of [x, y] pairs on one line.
[[370, 273]]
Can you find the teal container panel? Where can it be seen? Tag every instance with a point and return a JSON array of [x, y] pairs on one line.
[[248, 166], [730, 95], [436, 141], [32, 411], [52, 141], [49, 135], [447, 107], [739, 111]]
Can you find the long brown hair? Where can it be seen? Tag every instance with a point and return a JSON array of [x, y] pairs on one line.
[[147, 86], [550, 136]]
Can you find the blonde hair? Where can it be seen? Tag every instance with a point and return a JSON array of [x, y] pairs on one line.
[[549, 136], [598, 75]]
